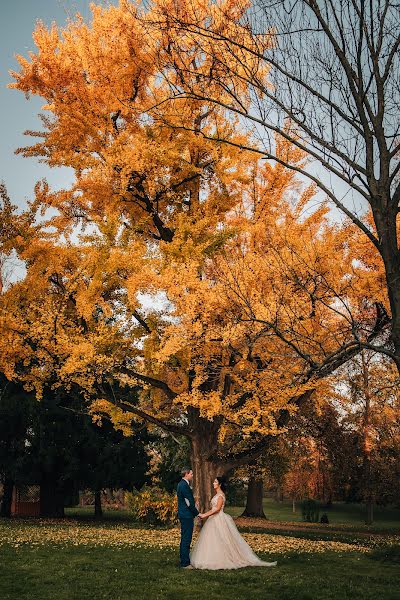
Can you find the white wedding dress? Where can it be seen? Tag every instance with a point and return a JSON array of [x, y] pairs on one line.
[[220, 545]]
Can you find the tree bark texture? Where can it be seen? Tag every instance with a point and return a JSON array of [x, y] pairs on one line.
[[6, 502], [98, 510], [254, 503], [51, 500]]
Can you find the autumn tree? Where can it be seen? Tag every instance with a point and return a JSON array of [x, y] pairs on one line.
[[322, 74], [367, 390], [320, 450], [173, 262]]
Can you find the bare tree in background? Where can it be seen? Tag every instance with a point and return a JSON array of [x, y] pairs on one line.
[[325, 75]]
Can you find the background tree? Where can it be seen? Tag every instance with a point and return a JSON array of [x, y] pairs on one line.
[[167, 455], [320, 447], [108, 458], [15, 420], [255, 488], [368, 392], [55, 444]]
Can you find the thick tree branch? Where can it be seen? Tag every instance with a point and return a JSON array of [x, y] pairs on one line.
[[166, 426], [157, 383]]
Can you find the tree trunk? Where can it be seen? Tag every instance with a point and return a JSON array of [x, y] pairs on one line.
[[51, 500], [98, 511], [367, 444], [278, 493], [6, 502], [368, 491], [254, 503], [204, 473], [369, 511], [203, 445], [386, 225]]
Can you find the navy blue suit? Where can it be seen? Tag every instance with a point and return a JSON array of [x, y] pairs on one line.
[[187, 511]]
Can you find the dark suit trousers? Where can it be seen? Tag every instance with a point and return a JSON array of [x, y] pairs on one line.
[[186, 538]]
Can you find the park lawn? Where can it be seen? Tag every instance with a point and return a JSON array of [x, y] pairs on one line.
[[77, 573], [77, 559], [349, 517], [339, 514], [308, 531]]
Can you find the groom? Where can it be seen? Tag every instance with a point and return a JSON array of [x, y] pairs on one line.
[[187, 511]]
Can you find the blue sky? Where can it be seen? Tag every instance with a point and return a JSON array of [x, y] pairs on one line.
[[17, 21]]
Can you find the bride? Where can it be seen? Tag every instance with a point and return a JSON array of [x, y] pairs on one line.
[[220, 545]]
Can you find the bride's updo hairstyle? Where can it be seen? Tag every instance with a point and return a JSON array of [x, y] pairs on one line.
[[222, 482]]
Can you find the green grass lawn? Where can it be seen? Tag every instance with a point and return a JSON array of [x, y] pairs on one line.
[[81, 558], [75, 573], [340, 514], [348, 516]]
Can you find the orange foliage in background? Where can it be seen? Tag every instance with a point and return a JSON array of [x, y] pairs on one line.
[[153, 506]]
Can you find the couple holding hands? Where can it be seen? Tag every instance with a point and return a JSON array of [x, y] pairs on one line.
[[219, 545]]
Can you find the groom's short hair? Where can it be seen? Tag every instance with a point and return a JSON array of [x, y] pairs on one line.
[[185, 471]]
